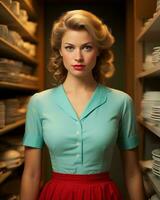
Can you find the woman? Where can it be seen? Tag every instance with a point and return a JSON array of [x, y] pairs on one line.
[[80, 119]]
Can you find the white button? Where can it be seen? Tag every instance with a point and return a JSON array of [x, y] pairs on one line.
[[77, 143], [77, 132]]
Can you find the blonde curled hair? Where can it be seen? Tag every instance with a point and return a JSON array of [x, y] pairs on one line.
[[82, 20]]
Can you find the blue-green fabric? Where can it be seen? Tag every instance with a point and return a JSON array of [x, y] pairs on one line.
[[81, 145]]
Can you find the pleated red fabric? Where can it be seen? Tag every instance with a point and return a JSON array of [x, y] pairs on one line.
[[80, 187]]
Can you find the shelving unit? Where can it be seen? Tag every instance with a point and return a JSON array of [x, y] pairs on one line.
[[150, 127], [7, 17], [149, 33], [5, 176], [9, 172], [10, 51], [29, 8], [155, 182], [153, 72], [12, 126], [146, 35], [17, 86]]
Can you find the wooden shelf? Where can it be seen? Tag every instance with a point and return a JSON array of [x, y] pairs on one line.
[[150, 127], [13, 23], [11, 126], [150, 32], [29, 8], [5, 176], [4, 84], [147, 10], [13, 52], [155, 181], [152, 72], [145, 165]]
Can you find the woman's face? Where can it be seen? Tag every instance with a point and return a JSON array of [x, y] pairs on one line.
[[79, 53]]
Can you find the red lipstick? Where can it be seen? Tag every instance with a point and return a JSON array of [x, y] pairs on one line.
[[79, 67]]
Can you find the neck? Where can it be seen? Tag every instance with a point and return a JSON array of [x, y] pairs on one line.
[[75, 84]]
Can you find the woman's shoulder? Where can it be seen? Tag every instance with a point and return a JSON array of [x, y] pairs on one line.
[[43, 95], [118, 98], [117, 93]]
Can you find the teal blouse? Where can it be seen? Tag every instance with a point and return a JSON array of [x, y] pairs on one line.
[[81, 145]]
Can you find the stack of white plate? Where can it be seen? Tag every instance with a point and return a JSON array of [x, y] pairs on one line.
[[156, 162], [155, 116], [12, 106], [156, 56], [17, 72], [154, 197], [152, 59], [151, 107]]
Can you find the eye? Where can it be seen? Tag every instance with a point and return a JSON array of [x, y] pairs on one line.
[[69, 48], [88, 48]]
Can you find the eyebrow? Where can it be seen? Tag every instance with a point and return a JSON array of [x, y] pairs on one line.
[[81, 45]]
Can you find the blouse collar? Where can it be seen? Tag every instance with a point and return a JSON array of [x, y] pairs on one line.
[[98, 98]]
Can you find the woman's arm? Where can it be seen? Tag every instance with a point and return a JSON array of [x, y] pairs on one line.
[[132, 174], [31, 177]]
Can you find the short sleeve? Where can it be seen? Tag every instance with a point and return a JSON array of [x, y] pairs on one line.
[[127, 135], [33, 136]]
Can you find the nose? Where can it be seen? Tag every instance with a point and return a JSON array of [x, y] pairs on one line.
[[78, 55]]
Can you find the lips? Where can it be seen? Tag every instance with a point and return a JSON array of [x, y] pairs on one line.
[[79, 67]]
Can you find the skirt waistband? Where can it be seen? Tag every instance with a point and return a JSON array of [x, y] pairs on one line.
[[103, 176]]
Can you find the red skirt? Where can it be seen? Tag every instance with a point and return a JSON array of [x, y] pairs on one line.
[[80, 187]]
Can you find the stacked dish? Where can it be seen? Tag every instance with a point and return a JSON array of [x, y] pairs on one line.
[[11, 158], [156, 162], [154, 197], [155, 116], [17, 72], [156, 56], [151, 108], [12, 114], [152, 59], [13, 142]]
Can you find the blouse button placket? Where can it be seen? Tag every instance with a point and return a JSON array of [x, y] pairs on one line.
[[78, 143]]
